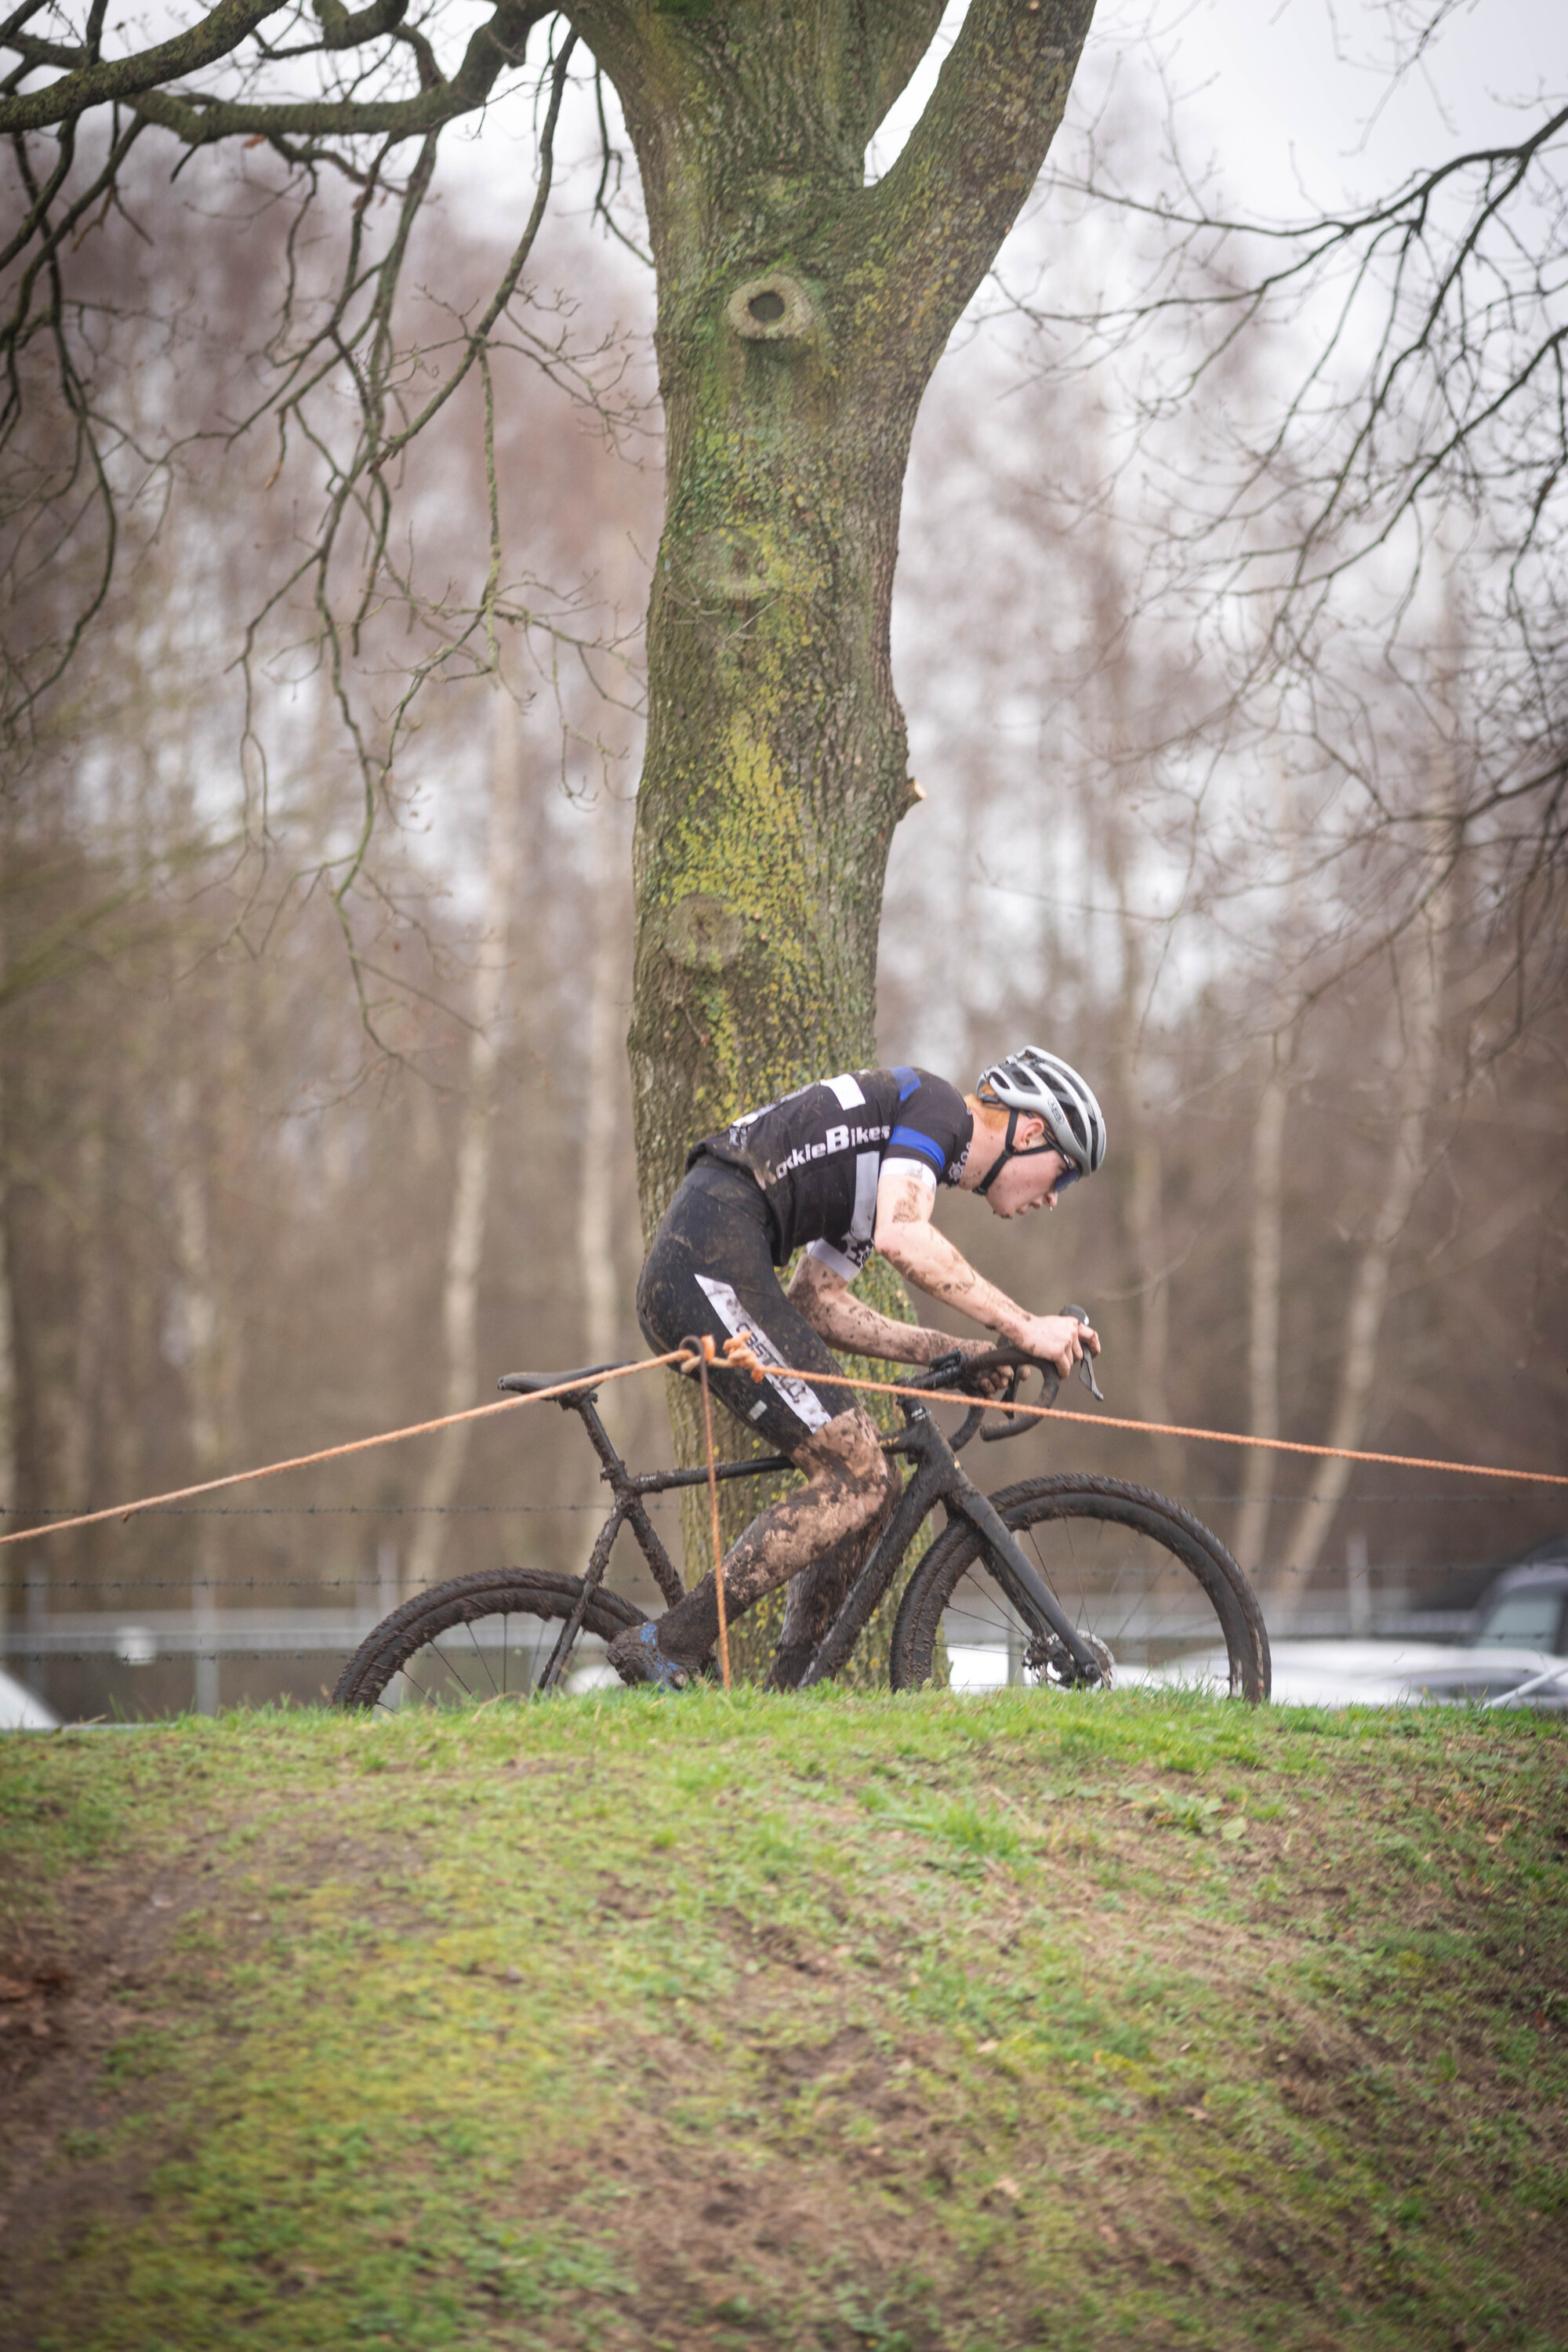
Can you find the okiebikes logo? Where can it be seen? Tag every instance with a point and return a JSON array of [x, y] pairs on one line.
[[837, 1140]]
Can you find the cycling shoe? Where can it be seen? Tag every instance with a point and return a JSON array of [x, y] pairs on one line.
[[638, 1658]]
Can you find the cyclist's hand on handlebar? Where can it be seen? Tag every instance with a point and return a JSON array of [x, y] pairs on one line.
[[1059, 1340], [989, 1384]]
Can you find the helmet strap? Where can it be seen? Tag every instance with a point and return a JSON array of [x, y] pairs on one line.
[[1002, 1158], [1010, 1150]]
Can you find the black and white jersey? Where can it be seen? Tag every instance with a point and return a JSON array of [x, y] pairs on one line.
[[818, 1155]]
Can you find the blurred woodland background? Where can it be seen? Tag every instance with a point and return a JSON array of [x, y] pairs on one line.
[[259, 1195]]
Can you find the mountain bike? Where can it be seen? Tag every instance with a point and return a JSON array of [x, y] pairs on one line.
[[1069, 1581]]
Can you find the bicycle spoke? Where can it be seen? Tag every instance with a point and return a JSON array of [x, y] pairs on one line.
[[481, 1657], [433, 1675], [1123, 1573], [437, 1651]]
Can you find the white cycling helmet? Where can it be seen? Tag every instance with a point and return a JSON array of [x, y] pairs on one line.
[[1033, 1083]]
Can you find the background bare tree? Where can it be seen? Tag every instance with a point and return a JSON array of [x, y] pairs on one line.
[[1404, 449], [1118, 847]]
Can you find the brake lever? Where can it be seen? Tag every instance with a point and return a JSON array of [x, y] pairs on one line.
[[1086, 1361]]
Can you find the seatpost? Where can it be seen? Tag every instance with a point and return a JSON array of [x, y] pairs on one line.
[[587, 1405]]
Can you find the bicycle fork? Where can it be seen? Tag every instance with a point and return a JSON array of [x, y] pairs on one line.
[[939, 1478]]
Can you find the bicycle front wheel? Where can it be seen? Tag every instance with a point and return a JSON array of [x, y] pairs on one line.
[[1158, 1596], [474, 1637]]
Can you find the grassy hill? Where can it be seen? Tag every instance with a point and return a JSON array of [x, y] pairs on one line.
[[840, 2022]]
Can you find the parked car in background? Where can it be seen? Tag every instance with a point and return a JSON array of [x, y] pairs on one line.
[[1517, 1634], [1526, 1605], [1397, 1673], [20, 1711]]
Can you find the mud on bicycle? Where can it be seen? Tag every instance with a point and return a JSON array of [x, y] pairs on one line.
[[1069, 1582]]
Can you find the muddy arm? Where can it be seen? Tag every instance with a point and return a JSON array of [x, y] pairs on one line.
[[832, 1309]]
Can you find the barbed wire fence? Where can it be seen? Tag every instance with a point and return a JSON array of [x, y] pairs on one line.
[[286, 1627], [298, 1635]]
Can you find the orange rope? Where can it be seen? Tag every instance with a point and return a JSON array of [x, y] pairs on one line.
[[335, 1452], [739, 1356], [742, 1358], [704, 1359]]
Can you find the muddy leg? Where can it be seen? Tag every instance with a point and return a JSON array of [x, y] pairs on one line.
[[850, 1487], [818, 1592]]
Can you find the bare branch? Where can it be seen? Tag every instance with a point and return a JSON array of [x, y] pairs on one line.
[[218, 34]]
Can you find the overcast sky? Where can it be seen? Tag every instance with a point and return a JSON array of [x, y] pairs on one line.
[[1282, 110], [1293, 105]]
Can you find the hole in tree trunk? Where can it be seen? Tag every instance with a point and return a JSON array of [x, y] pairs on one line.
[[773, 307]]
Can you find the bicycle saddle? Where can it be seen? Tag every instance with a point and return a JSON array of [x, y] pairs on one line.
[[528, 1383]]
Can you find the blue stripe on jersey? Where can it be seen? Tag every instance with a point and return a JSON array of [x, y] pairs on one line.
[[914, 1142], [909, 1080]]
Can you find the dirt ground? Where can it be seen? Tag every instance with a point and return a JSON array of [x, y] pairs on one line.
[[802, 2023]]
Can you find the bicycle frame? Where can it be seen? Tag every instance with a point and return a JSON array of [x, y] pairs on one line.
[[939, 1477]]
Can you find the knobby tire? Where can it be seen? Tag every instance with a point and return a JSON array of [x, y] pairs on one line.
[[1173, 1545], [455, 1607]]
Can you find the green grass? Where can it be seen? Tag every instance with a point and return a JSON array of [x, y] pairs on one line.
[[837, 2021]]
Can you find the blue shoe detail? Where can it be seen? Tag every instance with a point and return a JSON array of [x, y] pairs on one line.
[[638, 1658]]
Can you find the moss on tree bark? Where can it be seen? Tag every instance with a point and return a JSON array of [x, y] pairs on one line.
[[800, 315]]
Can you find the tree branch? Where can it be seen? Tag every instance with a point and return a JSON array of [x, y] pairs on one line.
[[498, 42], [478, 337], [896, 34], [938, 218], [199, 120], [217, 36]]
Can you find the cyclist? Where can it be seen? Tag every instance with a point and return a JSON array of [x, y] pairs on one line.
[[843, 1167]]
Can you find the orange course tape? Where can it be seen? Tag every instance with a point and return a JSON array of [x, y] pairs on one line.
[[333, 1452], [740, 1357]]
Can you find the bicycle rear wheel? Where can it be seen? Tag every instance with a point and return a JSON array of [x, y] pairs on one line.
[[1132, 1572], [475, 1637]]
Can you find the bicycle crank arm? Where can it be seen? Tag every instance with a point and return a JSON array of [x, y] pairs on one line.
[[1026, 1590]]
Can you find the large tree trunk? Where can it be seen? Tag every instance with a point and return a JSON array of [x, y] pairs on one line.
[[800, 314], [603, 1336]]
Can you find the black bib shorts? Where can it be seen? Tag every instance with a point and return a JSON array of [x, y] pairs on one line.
[[711, 1269]]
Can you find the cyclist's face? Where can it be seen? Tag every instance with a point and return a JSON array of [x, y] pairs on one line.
[[1030, 1182]]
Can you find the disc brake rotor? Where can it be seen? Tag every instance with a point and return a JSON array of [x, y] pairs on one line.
[[1049, 1657]]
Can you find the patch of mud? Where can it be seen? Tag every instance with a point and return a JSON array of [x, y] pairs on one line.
[[70, 2046], [99, 1987]]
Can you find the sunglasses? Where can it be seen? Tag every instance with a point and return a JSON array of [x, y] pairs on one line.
[[1071, 1170]]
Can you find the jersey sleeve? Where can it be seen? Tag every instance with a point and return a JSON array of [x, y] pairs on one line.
[[931, 1128]]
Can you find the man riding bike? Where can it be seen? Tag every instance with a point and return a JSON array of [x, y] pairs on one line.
[[843, 1167]]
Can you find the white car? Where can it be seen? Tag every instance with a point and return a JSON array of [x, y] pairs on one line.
[[20, 1711], [1518, 1643], [1383, 1673]]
